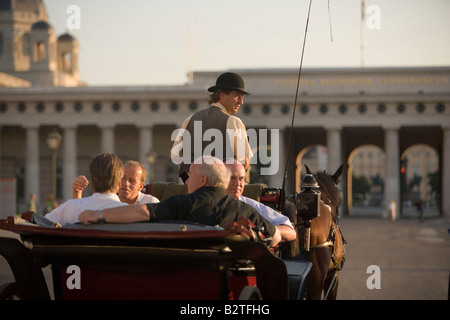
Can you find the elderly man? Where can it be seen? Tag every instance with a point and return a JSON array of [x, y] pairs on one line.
[[206, 203], [235, 189], [226, 98], [131, 184]]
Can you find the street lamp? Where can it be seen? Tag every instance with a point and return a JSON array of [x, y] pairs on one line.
[[53, 143], [151, 159]]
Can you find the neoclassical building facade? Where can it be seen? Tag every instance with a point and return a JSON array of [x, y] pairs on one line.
[[340, 109]]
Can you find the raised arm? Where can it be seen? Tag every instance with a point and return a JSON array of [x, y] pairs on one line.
[[78, 185]]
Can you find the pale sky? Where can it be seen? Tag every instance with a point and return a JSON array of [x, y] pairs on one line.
[[147, 42]]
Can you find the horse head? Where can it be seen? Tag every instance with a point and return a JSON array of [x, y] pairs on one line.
[[329, 192]]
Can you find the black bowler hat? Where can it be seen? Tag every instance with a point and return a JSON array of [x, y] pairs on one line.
[[230, 81]]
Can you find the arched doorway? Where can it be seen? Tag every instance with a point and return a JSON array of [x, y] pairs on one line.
[[420, 181], [366, 176], [315, 157]]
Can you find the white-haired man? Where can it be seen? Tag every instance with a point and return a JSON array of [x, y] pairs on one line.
[[236, 188]]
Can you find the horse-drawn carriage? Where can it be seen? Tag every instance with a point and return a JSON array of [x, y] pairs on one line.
[[170, 260]]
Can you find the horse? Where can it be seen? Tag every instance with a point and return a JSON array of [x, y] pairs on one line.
[[327, 245]]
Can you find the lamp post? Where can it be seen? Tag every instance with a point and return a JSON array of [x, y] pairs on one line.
[[308, 208], [151, 159], [53, 143]]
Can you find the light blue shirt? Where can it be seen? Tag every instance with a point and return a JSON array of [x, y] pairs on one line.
[[267, 212]]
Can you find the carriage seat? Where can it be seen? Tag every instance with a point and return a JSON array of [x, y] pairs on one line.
[[163, 190]]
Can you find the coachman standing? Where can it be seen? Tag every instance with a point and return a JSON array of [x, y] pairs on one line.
[[226, 98]]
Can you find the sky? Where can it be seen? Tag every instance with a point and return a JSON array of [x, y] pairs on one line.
[[157, 42]]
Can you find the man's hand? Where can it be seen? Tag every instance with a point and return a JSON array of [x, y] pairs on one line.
[[287, 233], [78, 185], [276, 238], [88, 216]]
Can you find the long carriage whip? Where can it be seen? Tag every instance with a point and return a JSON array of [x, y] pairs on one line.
[[281, 204]]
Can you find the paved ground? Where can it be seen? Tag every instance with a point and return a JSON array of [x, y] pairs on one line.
[[413, 257]]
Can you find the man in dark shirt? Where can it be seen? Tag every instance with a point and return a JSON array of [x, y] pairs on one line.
[[206, 203]]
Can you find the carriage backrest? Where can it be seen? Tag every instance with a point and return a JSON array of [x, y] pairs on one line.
[[163, 190]]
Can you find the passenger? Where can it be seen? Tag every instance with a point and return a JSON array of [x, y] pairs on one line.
[[236, 188], [131, 184], [206, 203], [226, 98], [105, 172]]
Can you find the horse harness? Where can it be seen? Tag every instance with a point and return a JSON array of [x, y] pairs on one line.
[[329, 243]]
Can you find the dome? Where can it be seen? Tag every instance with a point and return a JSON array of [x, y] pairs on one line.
[[36, 7], [41, 25], [66, 38]]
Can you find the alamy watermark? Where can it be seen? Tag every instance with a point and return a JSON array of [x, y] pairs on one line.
[[235, 147], [74, 19], [374, 280], [373, 20], [74, 280]]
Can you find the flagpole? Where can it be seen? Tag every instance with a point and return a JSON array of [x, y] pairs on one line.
[[362, 33], [191, 47]]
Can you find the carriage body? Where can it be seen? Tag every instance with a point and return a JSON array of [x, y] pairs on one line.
[[151, 261]]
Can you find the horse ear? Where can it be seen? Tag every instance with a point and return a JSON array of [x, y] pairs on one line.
[[307, 169], [337, 174]]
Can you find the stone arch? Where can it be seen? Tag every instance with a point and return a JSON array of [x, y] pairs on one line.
[[65, 61], [315, 157], [365, 180], [420, 180], [40, 51]]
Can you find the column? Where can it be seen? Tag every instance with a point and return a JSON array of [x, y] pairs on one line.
[[392, 166], [334, 146], [445, 211], [276, 180], [32, 181], [107, 138], [145, 146], [69, 168], [0, 151]]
